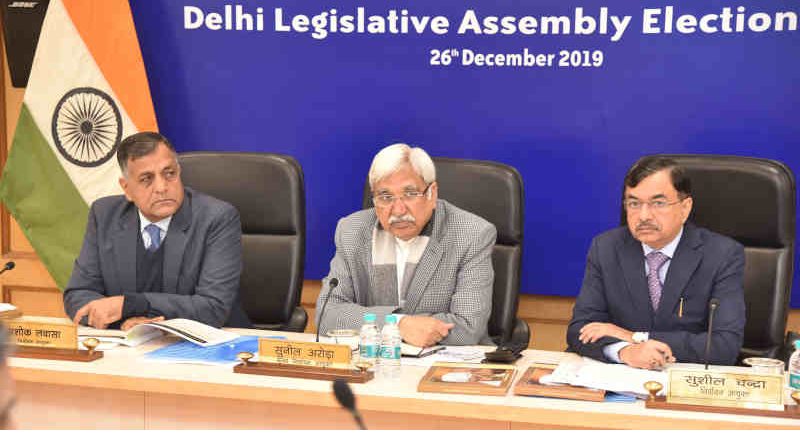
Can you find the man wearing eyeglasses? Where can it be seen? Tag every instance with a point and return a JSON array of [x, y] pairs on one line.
[[7, 397], [647, 287], [413, 255]]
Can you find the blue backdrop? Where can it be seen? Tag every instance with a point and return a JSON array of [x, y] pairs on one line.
[[571, 131]]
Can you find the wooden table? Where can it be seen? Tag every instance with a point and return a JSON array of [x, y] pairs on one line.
[[125, 391]]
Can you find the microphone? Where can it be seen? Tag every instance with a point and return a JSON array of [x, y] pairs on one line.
[[332, 283], [9, 265], [712, 307], [346, 398]]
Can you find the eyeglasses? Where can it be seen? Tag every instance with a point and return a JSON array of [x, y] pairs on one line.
[[656, 205], [409, 196]]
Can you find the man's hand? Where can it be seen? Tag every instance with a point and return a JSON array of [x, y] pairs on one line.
[[651, 354], [592, 332], [102, 312], [423, 331], [134, 321]]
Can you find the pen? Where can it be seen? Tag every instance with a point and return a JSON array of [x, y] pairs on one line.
[[680, 309]]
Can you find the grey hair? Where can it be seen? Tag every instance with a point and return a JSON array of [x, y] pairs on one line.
[[139, 145], [395, 156]]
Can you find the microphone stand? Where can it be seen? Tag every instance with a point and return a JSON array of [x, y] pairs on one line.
[[332, 283], [712, 307]]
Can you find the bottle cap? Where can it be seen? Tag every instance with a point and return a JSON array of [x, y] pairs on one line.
[[369, 318], [391, 318]]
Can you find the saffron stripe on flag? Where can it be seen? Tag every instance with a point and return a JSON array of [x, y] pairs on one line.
[[107, 30]]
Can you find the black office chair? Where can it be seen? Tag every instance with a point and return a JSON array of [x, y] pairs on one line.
[[751, 200], [494, 192], [269, 192]]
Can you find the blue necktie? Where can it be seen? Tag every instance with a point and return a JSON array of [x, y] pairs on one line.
[[155, 237]]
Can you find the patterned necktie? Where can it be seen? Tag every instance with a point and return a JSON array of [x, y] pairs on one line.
[[155, 237], [654, 261]]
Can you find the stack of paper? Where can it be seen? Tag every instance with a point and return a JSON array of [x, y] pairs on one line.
[[130, 338], [581, 371]]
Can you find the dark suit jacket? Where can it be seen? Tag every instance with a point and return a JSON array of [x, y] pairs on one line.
[[202, 260], [705, 265]]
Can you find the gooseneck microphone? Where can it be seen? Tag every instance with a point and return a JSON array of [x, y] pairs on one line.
[[332, 283], [348, 401], [712, 307], [9, 265]]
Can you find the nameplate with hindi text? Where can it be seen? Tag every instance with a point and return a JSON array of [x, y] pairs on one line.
[[44, 332], [305, 353], [729, 389]]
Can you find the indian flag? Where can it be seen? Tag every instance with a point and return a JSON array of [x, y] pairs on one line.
[[87, 90]]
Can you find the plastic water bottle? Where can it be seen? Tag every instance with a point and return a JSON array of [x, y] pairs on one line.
[[794, 366], [390, 348], [369, 340]]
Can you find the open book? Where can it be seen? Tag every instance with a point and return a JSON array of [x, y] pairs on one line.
[[193, 331]]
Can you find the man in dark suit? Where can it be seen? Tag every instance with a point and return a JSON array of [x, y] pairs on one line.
[[159, 250], [646, 292]]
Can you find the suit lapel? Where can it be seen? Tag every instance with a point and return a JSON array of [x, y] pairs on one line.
[[631, 256], [175, 244], [124, 242], [423, 274], [683, 264], [428, 263]]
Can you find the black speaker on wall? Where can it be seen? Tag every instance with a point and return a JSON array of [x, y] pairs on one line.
[[22, 22]]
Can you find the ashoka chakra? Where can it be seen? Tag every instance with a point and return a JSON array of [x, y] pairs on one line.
[[87, 127]]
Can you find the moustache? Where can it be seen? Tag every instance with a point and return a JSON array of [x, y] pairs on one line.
[[402, 218], [647, 226]]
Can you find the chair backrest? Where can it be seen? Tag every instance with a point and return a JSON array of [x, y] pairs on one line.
[[751, 200], [493, 191], [268, 190]]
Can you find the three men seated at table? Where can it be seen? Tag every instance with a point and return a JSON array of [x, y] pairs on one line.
[[163, 250], [414, 255], [159, 250], [647, 287]]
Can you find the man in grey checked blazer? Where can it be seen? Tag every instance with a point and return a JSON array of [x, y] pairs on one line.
[[414, 255]]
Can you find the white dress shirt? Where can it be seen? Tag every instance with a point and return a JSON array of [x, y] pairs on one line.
[[144, 222], [402, 250]]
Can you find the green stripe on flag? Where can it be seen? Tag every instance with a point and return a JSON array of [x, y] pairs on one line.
[[43, 199]]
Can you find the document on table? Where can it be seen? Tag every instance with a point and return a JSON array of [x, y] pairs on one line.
[[547, 357], [582, 371], [113, 337], [222, 354], [457, 354]]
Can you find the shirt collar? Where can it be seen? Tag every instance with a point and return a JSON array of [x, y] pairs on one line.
[[144, 222], [669, 249]]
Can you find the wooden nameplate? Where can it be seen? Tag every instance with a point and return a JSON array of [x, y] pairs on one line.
[[304, 372], [529, 385], [660, 402], [75, 355]]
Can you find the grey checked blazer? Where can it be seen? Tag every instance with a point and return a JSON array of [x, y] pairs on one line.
[[453, 280]]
